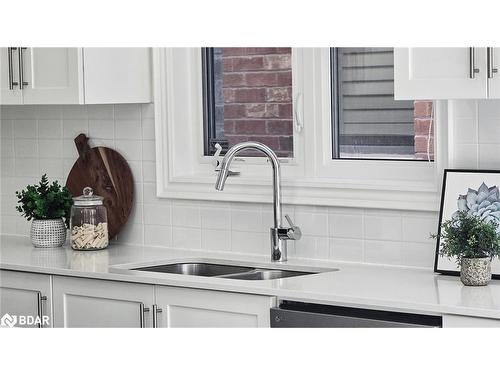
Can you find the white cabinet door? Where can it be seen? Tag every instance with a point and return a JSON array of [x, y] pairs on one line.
[[494, 81], [9, 77], [117, 75], [25, 297], [459, 321], [183, 307], [82, 302], [52, 76], [439, 73]]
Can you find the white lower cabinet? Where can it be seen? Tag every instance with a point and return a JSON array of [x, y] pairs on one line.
[[82, 302], [460, 321], [26, 298], [184, 307]]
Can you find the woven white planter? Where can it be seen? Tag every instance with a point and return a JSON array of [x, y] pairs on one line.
[[48, 233]]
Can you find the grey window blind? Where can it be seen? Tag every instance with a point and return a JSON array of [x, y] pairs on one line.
[[370, 121]]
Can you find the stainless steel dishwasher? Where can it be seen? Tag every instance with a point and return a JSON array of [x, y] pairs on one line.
[[291, 314]]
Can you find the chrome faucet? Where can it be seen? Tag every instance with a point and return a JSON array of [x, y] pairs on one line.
[[279, 235]]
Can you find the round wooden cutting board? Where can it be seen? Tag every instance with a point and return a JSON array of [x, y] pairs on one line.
[[109, 175]]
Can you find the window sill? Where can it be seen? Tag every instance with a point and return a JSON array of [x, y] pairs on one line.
[[306, 192]]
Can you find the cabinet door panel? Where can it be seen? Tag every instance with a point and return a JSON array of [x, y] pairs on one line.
[[19, 294], [8, 96], [459, 321], [439, 73], [117, 75], [494, 82], [183, 307], [100, 303], [54, 76]]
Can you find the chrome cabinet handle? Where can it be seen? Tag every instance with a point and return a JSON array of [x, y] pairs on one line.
[[40, 300], [472, 63], [12, 83], [142, 315], [490, 62], [22, 83], [156, 311]]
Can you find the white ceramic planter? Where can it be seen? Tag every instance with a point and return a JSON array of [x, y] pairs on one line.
[[48, 233]]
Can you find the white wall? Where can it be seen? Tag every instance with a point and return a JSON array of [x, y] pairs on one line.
[[39, 139]]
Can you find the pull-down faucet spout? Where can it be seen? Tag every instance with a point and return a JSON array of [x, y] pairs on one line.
[[279, 235]]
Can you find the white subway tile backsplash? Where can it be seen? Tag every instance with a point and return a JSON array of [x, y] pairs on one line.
[[149, 171], [74, 112], [346, 249], [214, 239], [100, 112], [148, 151], [158, 214], [418, 227], [250, 242], [50, 129], [73, 127], [25, 129], [246, 220], [489, 156], [186, 215], [50, 148], [382, 227], [101, 128], [186, 238], [148, 129], [25, 148], [130, 150], [158, 235], [314, 223], [127, 112], [215, 218], [45, 143], [346, 225], [128, 129], [26, 167], [418, 254], [6, 129], [383, 252]]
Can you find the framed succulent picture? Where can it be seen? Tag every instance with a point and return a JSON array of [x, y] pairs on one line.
[[476, 192]]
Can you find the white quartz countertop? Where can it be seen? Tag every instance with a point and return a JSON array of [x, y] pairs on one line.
[[356, 285]]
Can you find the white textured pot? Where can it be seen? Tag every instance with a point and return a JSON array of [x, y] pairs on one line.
[[475, 271], [48, 233]]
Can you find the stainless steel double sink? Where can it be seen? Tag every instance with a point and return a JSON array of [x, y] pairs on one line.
[[226, 271]]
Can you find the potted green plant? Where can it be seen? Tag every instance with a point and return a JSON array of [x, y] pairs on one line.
[[48, 205], [473, 243]]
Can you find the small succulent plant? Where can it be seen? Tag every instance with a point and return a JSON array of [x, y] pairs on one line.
[[483, 203]]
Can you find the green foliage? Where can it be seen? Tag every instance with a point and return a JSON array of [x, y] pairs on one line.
[[468, 236], [45, 201]]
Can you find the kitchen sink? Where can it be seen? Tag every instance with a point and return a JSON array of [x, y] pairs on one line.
[[227, 271], [196, 269], [265, 274]]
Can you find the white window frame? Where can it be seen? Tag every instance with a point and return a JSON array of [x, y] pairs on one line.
[[311, 176]]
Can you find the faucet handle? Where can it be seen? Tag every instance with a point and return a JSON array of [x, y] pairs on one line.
[[294, 232]]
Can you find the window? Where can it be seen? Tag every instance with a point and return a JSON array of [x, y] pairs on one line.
[[252, 99], [248, 96], [367, 122]]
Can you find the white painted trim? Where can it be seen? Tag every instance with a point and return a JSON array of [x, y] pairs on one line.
[[311, 177]]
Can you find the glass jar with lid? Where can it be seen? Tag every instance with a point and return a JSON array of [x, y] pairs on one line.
[[89, 222]]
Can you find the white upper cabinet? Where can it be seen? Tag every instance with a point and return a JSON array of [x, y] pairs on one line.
[[9, 93], [51, 75], [75, 75], [117, 75], [440, 73]]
